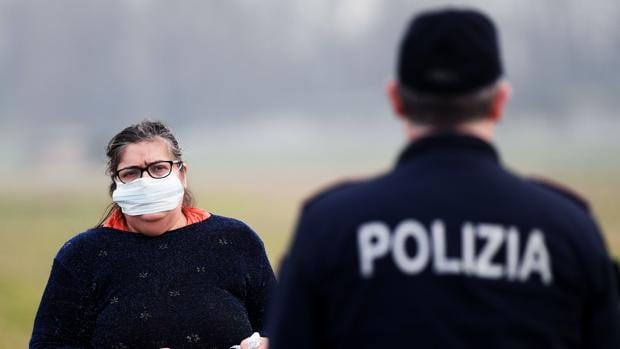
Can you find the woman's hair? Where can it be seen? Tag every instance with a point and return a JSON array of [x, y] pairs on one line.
[[144, 131]]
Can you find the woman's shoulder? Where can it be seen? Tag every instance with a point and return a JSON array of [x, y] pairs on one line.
[[232, 227], [81, 245], [228, 223]]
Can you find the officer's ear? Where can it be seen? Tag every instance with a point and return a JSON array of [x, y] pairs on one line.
[[504, 91], [396, 102]]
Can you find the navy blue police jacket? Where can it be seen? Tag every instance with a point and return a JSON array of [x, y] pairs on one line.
[[448, 250]]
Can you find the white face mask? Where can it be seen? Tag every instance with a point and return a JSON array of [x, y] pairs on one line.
[[149, 195]]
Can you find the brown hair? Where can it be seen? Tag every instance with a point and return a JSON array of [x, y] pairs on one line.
[[146, 130]]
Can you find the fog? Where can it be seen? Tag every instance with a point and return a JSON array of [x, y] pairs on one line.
[[278, 83]]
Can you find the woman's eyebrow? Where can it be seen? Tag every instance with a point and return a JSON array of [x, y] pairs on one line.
[[145, 164]]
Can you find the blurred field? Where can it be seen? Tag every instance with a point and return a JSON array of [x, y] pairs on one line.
[[35, 222]]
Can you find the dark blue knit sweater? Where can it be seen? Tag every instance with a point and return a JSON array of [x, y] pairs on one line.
[[201, 286]]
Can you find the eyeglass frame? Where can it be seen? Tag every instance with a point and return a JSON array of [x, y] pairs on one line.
[[115, 175]]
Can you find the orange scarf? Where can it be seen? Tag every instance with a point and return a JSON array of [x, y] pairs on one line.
[[117, 221]]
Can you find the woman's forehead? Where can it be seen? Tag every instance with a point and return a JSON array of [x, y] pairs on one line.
[[141, 153]]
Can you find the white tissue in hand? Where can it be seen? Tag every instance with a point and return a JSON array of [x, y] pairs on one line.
[[253, 342]]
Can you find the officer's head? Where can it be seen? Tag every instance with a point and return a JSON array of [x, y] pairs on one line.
[[449, 70]]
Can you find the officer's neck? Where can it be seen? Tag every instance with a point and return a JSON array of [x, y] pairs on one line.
[[483, 129]]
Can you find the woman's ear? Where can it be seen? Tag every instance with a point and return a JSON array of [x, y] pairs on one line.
[[183, 174]]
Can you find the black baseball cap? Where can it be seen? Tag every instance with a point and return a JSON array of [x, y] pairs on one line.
[[449, 52]]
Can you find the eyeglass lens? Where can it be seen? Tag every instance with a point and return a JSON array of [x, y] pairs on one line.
[[156, 170]]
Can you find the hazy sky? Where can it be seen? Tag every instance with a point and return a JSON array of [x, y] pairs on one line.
[[73, 72]]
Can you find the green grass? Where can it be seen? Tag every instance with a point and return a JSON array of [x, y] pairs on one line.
[[35, 222]]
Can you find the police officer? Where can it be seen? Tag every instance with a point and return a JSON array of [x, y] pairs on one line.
[[449, 249]]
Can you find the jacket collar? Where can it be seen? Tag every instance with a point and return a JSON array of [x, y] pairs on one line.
[[447, 140]]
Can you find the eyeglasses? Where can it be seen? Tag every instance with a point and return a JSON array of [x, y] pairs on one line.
[[157, 170]]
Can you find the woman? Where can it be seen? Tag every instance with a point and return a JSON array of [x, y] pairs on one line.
[[156, 272]]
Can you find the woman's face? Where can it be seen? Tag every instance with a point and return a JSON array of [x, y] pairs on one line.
[[142, 154]]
